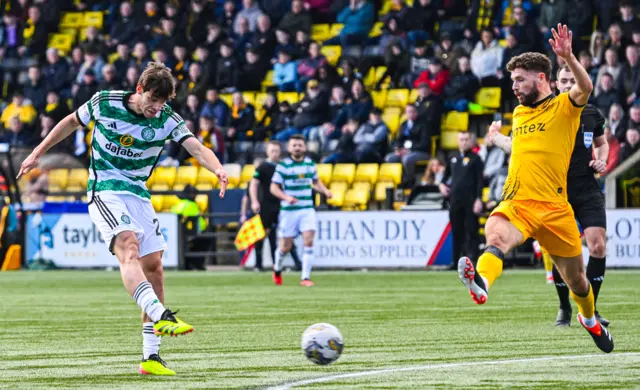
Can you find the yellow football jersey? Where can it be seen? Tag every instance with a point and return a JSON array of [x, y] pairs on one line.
[[543, 137]]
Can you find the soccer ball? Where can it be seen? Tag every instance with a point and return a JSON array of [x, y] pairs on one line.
[[322, 343]]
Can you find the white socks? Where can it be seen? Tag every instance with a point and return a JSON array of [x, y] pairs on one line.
[[277, 265], [307, 259], [150, 342], [589, 322], [148, 301]]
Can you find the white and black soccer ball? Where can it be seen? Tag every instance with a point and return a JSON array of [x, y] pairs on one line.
[[322, 343]]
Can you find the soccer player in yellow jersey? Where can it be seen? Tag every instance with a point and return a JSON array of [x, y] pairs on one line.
[[534, 200]]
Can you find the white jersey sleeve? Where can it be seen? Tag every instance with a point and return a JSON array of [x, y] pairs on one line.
[[86, 112], [277, 175], [179, 131]]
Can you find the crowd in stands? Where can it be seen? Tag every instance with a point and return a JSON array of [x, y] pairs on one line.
[[221, 53]]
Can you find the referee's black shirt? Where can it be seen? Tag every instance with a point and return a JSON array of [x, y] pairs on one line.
[[465, 171], [591, 127]]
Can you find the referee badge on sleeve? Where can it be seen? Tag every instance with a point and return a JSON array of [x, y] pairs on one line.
[[588, 139]]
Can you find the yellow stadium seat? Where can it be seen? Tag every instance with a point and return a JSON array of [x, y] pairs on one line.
[[78, 177], [356, 198], [320, 32], [157, 201], [367, 173], [56, 199], [489, 97], [413, 96], [72, 32], [75, 188], [391, 172], [94, 19], [379, 98], [380, 193], [58, 178], [62, 42], [380, 71], [261, 98], [249, 98], [397, 98], [370, 78], [455, 121], [324, 173], [72, 20], [165, 175], [338, 190], [392, 121], [376, 30], [187, 175], [204, 187], [168, 202], [206, 177], [268, 79], [233, 173], [336, 29], [362, 186], [246, 175], [449, 140], [178, 187], [227, 98], [202, 200], [485, 194], [344, 173], [332, 52], [156, 187], [291, 97]]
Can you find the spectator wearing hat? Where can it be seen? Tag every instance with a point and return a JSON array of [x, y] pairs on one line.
[[215, 108], [419, 62], [436, 77], [298, 19], [251, 11], [308, 67], [252, 72], [462, 88], [448, 52], [125, 28], [358, 18], [486, 59], [412, 144], [285, 73], [18, 107], [227, 68], [35, 90], [264, 38], [86, 89]]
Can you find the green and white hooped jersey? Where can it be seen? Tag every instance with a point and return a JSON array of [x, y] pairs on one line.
[[126, 146], [296, 179]]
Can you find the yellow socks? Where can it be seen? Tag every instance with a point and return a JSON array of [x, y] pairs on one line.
[[489, 267], [548, 263], [585, 304]]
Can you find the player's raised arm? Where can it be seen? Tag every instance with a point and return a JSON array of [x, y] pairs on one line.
[[207, 159], [500, 140], [61, 131], [561, 45]]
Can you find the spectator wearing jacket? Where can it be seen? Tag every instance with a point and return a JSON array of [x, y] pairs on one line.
[[371, 139], [251, 11], [614, 150], [436, 77], [311, 112], [358, 19], [125, 29], [285, 74], [56, 71], [630, 145], [215, 108], [308, 67], [486, 59], [298, 19], [35, 89], [629, 80], [242, 120], [412, 144], [462, 87], [227, 68]]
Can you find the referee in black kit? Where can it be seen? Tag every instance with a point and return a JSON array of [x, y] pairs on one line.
[[462, 183], [584, 193], [267, 205]]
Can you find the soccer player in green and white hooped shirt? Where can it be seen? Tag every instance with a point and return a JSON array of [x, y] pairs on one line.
[[293, 181], [130, 131]]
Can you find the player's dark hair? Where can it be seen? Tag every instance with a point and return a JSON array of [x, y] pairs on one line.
[[157, 79], [299, 137], [531, 62]]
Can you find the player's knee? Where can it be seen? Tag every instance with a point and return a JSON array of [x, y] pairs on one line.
[[127, 244], [497, 240], [285, 247], [597, 248], [308, 241], [154, 267]]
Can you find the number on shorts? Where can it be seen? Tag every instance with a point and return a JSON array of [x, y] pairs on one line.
[[157, 223]]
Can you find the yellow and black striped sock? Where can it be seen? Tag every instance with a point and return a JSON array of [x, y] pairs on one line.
[[586, 304], [490, 264]]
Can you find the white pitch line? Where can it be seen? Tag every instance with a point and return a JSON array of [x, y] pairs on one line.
[[359, 374]]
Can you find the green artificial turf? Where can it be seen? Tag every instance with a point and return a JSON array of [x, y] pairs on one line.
[[72, 329]]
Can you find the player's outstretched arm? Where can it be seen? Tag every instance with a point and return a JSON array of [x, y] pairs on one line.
[[60, 131], [276, 190], [561, 45], [207, 159], [253, 195]]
